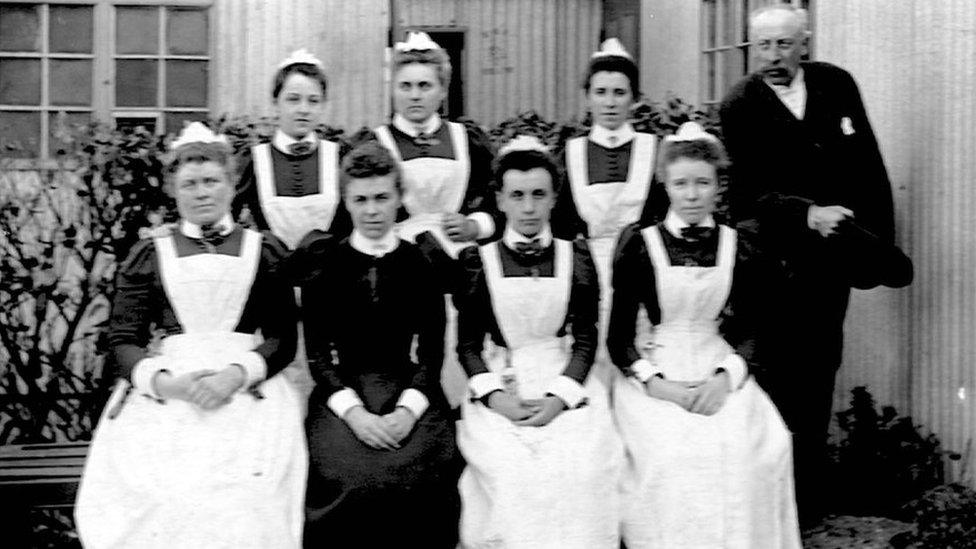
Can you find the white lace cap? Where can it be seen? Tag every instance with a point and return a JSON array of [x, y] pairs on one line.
[[196, 132], [417, 41], [611, 46], [523, 143], [301, 56], [691, 131]]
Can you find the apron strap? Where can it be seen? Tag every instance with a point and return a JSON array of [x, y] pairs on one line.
[[576, 172], [655, 247], [640, 172], [263, 171], [459, 139], [386, 139]]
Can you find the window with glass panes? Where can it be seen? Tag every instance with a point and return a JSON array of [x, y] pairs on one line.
[[130, 63], [725, 43]]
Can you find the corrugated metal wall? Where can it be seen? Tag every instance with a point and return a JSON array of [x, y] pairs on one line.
[[916, 62], [519, 54], [252, 36]]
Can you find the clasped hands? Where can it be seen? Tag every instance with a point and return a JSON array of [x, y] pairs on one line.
[[205, 389], [380, 432], [533, 412], [705, 397], [459, 228]]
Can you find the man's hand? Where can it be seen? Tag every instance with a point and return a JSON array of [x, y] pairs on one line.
[[370, 428], [509, 406], [399, 423], [679, 393], [545, 410], [825, 219], [459, 228], [710, 396], [213, 391]]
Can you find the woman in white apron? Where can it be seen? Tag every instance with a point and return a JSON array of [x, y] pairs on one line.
[[201, 443], [543, 458], [446, 173], [608, 172], [709, 458], [291, 185]]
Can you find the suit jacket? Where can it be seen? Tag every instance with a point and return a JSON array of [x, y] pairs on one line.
[[781, 165]]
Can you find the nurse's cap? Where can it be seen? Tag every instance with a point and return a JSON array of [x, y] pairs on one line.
[[611, 47], [301, 56], [417, 41], [691, 131], [523, 143], [197, 132]]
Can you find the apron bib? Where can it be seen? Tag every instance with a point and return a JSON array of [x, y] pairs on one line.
[[171, 475], [538, 487]]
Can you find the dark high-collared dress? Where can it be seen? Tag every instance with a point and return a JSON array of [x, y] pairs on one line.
[[375, 325]]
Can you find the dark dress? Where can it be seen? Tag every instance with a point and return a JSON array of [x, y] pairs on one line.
[[362, 315]]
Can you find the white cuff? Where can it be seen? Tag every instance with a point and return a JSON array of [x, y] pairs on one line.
[[737, 369], [415, 401], [255, 369], [568, 390], [342, 401], [485, 383], [644, 370], [143, 373], [486, 225]]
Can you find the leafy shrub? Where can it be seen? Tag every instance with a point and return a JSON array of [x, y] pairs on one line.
[[944, 516]]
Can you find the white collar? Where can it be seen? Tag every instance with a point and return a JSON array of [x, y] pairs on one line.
[[673, 223], [283, 142], [620, 136], [374, 247], [193, 230], [794, 96], [412, 129], [511, 237]]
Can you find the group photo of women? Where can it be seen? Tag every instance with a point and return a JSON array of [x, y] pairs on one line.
[[422, 341]]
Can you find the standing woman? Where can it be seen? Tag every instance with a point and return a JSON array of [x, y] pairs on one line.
[[382, 452], [215, 456], [608, 171], [543, 457], [710, 458], [291, 185], [446, 170]]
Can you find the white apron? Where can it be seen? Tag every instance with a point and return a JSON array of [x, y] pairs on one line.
[[433, 187], [697, 481], [290, 219], [538, 487], [607, 208], [172, 476]]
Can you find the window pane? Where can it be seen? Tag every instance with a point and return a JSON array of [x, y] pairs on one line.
[[175, 120], [71, 82], [732, 69], [135, 83], [186, 83], [137, 30], [65, 127], [20, 81], [186, 32], [710, 83], [20, 134], [71, 29], [710, 17], [20, 27], [728, 23], [131, 123]]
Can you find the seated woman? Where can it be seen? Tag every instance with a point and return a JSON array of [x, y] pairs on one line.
[[543, 458], [383, 467], [710, 458], [215, 456]]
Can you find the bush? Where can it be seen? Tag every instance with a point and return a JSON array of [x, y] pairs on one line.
[[944, 516]]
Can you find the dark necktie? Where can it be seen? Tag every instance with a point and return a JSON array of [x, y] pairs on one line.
[[531, 248], [426, 139], [695, 233], [212, 234], [300, 148]]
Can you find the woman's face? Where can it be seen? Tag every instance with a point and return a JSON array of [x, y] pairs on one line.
[[417, 92], [609, 99], [299, 105], [692, 186], [372, 203], [202, 191]]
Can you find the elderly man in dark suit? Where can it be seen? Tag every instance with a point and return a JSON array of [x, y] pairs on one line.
[[806, 167]]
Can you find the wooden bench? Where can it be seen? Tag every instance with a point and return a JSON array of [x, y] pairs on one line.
[[37, 476]]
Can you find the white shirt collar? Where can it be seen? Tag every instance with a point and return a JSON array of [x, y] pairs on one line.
[[793, 96], [282, 141], [673, 223], [193, 230], [512, 237], [412, 129], [612, 139], [374, 247]]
